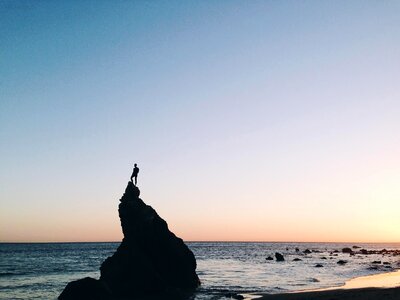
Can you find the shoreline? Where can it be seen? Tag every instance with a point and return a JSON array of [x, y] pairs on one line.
[[377, 286], [339, 294]]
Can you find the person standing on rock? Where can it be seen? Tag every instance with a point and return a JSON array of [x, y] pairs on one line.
[[135, 173]]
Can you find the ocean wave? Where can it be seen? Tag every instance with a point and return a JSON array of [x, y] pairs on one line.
[[6, 274]]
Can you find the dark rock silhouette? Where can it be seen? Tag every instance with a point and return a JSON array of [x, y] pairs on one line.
[[376, 262], [347, 250], [150, 258], [388, 267], [269, 258], [86, 289], [233, 296], [342, 262], [394, 252], [307, 251], [150, 263], [279, 257], [297, 259], [319, 266]]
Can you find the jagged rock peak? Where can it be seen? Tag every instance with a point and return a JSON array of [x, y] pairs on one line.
[[150, 258], [150, 263], [132, 193]]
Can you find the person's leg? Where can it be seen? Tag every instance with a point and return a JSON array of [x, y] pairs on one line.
[[135, 180]]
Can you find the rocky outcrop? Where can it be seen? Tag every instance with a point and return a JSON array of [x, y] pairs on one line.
[[279, 257], [86, 289], [347, 250], [297, 259], [151, 261]]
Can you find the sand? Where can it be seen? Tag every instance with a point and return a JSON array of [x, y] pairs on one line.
[[384, 286], [342, 294]]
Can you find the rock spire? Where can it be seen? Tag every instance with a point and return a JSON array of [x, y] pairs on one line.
[[151, 262]]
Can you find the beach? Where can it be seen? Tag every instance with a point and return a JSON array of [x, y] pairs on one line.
[[342, 294], [380, 286]]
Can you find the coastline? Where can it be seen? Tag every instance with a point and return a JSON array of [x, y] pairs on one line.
[[38, 270], [342, 294], [377, 286]]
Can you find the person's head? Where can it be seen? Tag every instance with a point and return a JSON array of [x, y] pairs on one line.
[[135, 165]]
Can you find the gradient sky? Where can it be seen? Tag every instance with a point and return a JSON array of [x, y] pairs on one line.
[[250, 120]]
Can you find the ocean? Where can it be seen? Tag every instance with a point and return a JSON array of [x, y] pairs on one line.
[[42, 270]]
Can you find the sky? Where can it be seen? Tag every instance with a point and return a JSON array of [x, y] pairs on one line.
[[249, 120]]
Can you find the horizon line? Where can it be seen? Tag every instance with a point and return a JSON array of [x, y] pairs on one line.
[[197, 241]]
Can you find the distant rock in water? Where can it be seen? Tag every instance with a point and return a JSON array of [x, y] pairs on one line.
[[347, 250], [377, 262], [388, 267], [150, 262], [279, 257], [297, 259]]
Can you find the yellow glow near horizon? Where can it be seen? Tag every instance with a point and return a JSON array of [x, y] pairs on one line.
[[362, 210]]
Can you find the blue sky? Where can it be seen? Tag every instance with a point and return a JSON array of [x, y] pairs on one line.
[[230, 108]]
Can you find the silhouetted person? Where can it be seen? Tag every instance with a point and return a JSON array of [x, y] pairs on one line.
[[135, 173]]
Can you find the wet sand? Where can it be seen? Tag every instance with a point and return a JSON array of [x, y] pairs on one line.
[[384, 286], [341, 294]]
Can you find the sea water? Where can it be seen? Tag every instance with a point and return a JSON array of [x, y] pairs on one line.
[[42, 270]]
